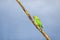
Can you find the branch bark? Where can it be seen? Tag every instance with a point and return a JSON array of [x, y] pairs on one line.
[[30, 17]]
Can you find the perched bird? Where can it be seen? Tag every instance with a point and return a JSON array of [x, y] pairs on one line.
[[38, 21]]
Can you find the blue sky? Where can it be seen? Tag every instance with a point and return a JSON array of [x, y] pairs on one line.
[[15, 25]]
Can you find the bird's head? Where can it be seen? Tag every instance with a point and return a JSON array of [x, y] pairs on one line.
[[35, 17]]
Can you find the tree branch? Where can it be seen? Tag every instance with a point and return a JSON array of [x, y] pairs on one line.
[[30, 17]]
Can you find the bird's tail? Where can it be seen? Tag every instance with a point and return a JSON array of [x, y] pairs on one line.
[[42, 26]]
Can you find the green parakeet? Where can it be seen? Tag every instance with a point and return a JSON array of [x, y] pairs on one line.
[[38, 21]]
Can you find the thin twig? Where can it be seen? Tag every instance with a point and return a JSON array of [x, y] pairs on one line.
[[30, 17]]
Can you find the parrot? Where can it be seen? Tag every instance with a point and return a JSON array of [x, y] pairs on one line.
[[37, 21]]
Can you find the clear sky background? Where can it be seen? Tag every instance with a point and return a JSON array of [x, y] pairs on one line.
[[15, 25]]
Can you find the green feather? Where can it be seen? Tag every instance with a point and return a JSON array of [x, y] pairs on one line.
[[37, 21]]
